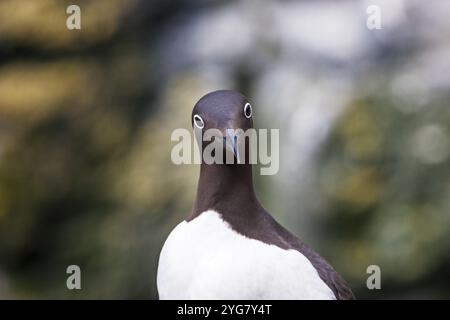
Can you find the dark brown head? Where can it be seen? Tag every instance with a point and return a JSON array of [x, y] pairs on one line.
[[226, 111], [223, 109]]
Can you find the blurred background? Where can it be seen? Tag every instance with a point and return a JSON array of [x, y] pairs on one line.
[[86, 117]]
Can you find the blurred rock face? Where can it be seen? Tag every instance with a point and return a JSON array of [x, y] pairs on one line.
[[86, 117]]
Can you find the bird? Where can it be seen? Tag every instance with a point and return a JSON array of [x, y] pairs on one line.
[[229, 247]]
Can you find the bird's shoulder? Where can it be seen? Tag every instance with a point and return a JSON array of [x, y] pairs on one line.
[[326, 272]]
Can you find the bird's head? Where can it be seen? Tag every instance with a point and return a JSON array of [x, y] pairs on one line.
[[230, 114]]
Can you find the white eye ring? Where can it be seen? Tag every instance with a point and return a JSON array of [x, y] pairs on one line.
[[198, 122], [248, 110]]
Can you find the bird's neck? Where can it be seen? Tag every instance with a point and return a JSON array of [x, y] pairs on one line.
[[225, 188]]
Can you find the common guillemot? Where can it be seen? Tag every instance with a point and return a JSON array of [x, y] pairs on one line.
[[230, 247]]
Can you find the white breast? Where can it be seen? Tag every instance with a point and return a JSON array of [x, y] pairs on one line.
[[206, 259]]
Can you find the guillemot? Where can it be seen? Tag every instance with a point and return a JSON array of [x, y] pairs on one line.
[[230, 247]]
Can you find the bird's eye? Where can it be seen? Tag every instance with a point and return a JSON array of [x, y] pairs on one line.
[[248, 110], [198, 121]]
